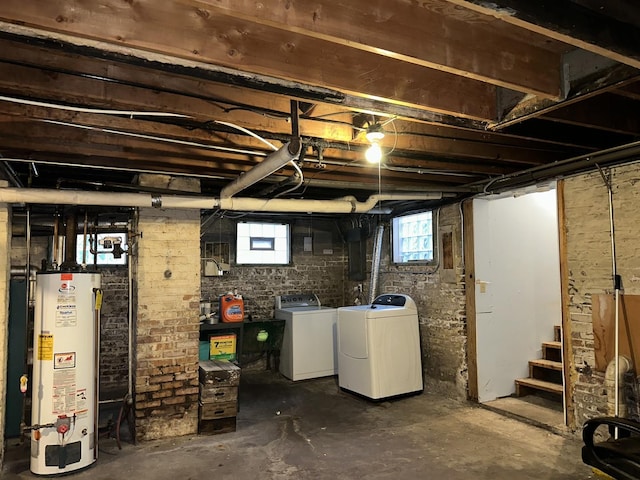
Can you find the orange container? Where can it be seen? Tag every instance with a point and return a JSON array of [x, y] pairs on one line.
[[231, 309]]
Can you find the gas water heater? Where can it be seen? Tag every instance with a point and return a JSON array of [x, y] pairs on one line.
[[65, 372]]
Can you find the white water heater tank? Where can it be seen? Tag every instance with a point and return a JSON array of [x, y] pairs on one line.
[[64, 383]]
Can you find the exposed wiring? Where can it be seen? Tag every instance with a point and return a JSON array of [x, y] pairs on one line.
[[159, 139], [90, 110], [248, 132], [265, 113]]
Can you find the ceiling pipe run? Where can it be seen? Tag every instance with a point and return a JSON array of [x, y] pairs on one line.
[[274, 162], [142, 200]]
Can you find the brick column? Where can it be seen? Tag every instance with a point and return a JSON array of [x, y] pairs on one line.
[[5, 269], [167, 297]]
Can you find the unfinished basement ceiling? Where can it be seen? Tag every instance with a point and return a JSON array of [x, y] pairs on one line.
[[471, 95]]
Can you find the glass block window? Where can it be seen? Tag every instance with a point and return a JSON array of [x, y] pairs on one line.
[[413, 238], [262, 244]]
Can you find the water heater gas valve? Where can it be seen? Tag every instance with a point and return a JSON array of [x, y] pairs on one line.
[[63, 424]]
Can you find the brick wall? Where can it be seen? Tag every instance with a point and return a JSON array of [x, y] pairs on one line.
[[440, 298], [590, 270], [308, 272], [167, 295], [114, 335], [5, 248]]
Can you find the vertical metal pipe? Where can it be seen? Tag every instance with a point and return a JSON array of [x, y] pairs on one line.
[[375, 263], [71, 241], [84, 241], [56, 226], [27, 284]]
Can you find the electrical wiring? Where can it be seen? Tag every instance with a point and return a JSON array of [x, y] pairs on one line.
[[57, 106], [248, 132], [160, 139]]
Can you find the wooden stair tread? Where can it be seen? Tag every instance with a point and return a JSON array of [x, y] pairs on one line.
[[540, 385], [544, 363], [552, 344]]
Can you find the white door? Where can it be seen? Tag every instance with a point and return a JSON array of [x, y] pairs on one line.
[[517, 271]]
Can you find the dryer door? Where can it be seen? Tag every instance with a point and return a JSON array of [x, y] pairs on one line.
[[352, 332]]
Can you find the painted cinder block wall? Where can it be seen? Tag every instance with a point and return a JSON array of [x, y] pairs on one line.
[[589, 268]]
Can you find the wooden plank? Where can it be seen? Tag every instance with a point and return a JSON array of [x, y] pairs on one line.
[[470, 293], [215, 394], [533, 107], [536, 384], [568, 23], [210, 411], [96, 148], [543, 363], [207, 36], [603, 317], [446, 43], [569, 372], [607, 112], [216, 372], [409, 140]]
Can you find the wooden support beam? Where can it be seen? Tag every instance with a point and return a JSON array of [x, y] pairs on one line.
[[209, 36], [565, 21], [607, 112], [443, 42]]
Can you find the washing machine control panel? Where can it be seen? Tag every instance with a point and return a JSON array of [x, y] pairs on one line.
[[392, 300], [297, 300]]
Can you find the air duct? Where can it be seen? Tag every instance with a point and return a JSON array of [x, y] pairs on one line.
[[144, 200]]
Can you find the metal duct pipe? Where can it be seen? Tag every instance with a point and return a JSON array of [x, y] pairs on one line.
[[70, 242], [375, 263], [274, 162], [340, 205]]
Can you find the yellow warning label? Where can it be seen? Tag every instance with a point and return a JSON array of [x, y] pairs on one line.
[[45, 347]]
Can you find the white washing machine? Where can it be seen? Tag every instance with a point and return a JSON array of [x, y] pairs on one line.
[[379, 348], [309, 342]]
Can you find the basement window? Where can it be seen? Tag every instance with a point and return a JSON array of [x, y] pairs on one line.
[[110, 249], [262, 244], [412, 238]]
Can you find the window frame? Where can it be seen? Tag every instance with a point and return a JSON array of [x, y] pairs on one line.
[[90, 262], [396, 238], [254, 239]]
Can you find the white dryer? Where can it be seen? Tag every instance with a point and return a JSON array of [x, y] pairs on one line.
[[309, 342], [379, 348]]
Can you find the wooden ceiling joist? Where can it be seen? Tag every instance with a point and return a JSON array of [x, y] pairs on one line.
[[567, 21]]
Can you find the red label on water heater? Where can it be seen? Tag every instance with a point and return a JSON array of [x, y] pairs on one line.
[[66, 276]]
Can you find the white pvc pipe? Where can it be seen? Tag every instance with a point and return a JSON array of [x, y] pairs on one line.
[[145, 200], [274, 162]]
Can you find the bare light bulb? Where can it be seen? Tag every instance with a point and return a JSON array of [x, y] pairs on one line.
[[373, 153]]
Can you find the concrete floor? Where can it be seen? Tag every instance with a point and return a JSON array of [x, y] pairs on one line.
[[312, 430]]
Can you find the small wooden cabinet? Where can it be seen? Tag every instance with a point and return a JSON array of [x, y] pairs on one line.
[[219, 382]]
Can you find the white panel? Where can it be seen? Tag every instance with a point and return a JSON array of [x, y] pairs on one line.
[[517, 286], [309, 343], [352, 332]]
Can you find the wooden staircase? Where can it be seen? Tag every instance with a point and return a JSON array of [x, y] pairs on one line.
[[545, 374]]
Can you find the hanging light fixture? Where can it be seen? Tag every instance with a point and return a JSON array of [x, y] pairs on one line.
[[374, 136]]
